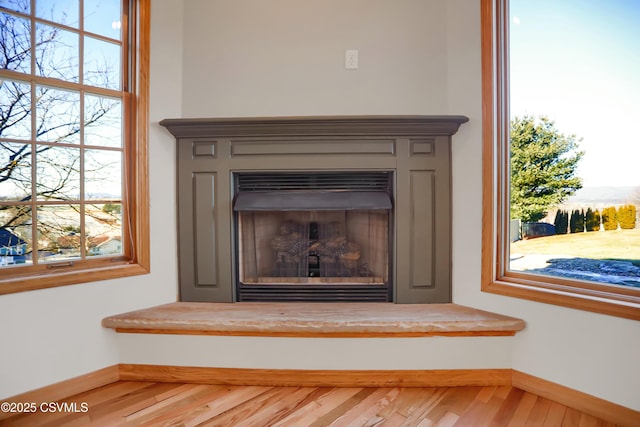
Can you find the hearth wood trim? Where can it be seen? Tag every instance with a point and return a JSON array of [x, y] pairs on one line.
[[316, 334], [314, 126], [328, 320], [317, 378]]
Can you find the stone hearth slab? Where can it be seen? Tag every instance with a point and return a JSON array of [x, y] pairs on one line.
[[315, 319]]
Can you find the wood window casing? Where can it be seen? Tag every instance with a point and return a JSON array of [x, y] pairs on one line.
[[135, 213], [496, 278]]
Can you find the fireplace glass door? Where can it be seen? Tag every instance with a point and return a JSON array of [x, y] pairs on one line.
[[314, 243], [323, 247]]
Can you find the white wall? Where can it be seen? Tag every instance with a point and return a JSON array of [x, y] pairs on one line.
[[285, 57]]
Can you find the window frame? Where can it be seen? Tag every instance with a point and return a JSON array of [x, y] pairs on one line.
[[135, 218], [612, 300]]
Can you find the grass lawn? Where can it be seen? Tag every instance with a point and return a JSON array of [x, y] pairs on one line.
[[616, 244]]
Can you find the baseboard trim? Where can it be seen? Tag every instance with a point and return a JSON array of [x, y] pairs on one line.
[[317, 378], [584, 402], [66, 388]]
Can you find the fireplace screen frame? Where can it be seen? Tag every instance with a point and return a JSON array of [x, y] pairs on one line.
[[313, 235]]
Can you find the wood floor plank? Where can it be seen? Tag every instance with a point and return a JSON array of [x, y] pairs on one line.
[[342, 407], [216, 403], [368, 408], [183, 396], [409, 399], [92, 398], [538, 413], [555, 415], [507, 408], [114, 411], [456, 400], [481, 413], [393, 420], [422, 409], [261, 407], [309, 413], [449, 420], [521, 414], [127, 403], [571, 418]]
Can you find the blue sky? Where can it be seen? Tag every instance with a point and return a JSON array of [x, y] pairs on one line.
[[578, 63]]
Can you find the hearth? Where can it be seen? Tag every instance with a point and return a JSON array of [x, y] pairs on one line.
[[353, 208], [313, 236]]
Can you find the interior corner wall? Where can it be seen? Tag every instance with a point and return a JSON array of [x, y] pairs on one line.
[[55, 334]]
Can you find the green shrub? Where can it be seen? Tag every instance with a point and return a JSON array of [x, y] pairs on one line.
[[561, 222], [576, 223], [627, 217], [609, 218], [592, 220]]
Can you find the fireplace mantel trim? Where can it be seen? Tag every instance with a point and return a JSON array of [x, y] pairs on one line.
[[437, 125]]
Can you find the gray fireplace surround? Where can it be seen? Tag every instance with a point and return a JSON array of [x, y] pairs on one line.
[[412, 153]]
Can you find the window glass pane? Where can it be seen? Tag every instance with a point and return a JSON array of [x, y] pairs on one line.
[[103, 121], [57, 173], [59, 232], [61, 11], [101, 63], [575, 188], [15, 53], [57, 115], [15, 109], [103, 17], [15, 171], [104, 229], [23, 6], [15, 235], [57, 53], [102, 175]]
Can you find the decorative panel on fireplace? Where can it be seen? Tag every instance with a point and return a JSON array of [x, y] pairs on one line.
[[315, 208]]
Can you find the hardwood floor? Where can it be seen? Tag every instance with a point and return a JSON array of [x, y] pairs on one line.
[[171, 404]]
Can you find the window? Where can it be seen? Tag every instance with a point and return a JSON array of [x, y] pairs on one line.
[[73, 149], [499, 274]]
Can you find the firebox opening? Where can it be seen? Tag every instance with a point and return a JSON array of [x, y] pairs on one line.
[[314, 246]]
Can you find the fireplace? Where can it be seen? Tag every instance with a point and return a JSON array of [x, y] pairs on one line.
[[313, 235], [315, 208]]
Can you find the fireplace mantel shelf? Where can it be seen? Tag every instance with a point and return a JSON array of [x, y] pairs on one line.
[[315, 320]]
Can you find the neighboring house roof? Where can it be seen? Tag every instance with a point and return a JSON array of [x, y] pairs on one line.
[[8, 239]]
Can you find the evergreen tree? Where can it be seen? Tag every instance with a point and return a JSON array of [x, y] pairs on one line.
[[561, 221], [543, 167], [592, 220], [576, 223], [627, 217], [609, 218]]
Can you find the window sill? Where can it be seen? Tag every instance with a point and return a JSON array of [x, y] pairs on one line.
[[593, 300], [58, 278], [325, 320]]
